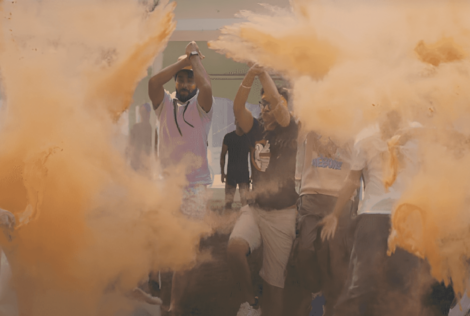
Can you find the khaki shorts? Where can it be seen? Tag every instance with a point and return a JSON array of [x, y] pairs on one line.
[[275, 229]]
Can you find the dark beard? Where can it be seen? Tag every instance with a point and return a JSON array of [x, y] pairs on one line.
[[186, 98]]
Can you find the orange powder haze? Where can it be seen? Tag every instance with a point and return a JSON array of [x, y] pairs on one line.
[[89, 228], [350, 62]]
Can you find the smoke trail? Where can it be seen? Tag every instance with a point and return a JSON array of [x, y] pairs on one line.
[[349, 63], [92, 228]]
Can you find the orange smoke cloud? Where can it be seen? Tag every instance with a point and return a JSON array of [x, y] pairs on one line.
[[381, 60], [443, 51], [262, 40], [90, 228], [431, 220]]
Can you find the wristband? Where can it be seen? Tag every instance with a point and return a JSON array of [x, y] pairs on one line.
[[241, 85], [193, 53]]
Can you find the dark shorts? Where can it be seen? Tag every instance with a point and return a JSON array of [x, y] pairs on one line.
[[243, 188], [232, 181], [378, 284], [322, 266]]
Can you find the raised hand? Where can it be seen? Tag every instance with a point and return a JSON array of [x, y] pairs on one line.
[[191, 47], [256, 70]]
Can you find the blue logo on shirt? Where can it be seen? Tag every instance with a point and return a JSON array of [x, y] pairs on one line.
[[323, 162]]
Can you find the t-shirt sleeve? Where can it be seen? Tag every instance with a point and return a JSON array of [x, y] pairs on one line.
[[205, 116], [226, 140], [167, 100], [359, 160]]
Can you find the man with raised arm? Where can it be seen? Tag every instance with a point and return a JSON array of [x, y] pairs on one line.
[[184, 121], [271, 219]]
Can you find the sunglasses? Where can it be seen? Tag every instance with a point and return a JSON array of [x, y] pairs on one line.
[[264, 105]]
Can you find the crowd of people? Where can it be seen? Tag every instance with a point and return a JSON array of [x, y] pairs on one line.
[[333, 229]]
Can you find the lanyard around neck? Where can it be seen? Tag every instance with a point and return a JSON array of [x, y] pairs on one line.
[[175, 113]]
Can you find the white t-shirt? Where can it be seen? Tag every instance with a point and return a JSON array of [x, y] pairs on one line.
[[370, 155], [326, 166], [183, 133]]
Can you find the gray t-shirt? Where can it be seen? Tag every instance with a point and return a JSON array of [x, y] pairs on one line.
[[326, 165]]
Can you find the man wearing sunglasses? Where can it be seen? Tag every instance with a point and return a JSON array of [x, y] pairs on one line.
[[271, 219], [184, 121]]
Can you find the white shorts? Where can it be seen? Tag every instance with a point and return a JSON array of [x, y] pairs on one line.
[[276, 230], [194, 203]]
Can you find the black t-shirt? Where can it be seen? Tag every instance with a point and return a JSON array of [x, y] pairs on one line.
[[274, 188], [238, 149]]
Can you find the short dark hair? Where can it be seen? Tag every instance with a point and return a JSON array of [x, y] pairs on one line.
[[188, 71], [281, 90]]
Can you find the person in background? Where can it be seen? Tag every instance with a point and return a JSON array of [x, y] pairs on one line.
[[236, 145], [271, 219], [140, 141], [185, 118]]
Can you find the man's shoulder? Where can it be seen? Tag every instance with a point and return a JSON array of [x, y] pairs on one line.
[[228, 135], [167, 100]]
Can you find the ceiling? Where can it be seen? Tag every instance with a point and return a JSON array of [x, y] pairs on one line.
[[219, 9], [200, 20]]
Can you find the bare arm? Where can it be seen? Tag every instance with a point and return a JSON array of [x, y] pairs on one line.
[[156, 91], [222, 162], [330, 222], [201, 77], [242, 115], [280, 112]]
